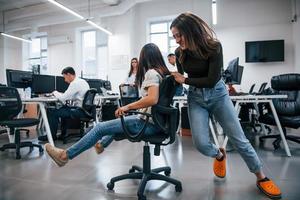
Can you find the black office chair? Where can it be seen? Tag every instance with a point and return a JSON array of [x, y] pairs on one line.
[[89, 109], [164, 116], [10, 107], [251, 89], [288, 110], [128, 94]]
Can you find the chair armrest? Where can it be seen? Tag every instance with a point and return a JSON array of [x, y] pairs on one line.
[[135, 137]]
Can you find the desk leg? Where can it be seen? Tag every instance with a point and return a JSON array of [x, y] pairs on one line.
[[213, 133], [238, 109], [286, 147], [46, 123]]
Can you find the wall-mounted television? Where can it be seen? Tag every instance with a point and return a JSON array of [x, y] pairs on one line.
[[265, 51]]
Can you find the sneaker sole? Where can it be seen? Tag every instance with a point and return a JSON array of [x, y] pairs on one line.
[[269, 195]]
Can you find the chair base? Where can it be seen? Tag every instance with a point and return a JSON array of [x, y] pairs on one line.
[[21, 145], [145, 174], [277, 137]]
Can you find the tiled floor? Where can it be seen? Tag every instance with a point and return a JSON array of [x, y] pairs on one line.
[[35, 177]]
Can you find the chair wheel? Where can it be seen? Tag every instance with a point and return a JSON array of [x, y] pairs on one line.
[[178, 188], [276, 145], [168, 172], [18, 156], [110, 186], [131, 171], [142, 197]]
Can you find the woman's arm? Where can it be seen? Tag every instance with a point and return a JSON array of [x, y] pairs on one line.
[[147, 101]]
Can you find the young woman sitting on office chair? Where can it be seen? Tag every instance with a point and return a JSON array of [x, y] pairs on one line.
[[151, 70]]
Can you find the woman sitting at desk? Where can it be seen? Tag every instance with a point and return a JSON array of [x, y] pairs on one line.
[[152, 69]]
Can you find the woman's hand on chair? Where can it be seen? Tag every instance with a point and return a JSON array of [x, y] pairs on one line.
[[121, 111]]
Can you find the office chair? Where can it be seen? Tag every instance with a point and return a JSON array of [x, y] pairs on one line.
[[165, 117], [288, 110], [10, 107], [251, 89], [262, 88], [128, 94], [89, 109]]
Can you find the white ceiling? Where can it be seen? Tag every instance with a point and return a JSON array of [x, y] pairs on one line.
[[28, 14]]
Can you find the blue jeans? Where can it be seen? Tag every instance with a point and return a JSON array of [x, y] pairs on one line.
[[110, 128], [64, 112], [204, 102]]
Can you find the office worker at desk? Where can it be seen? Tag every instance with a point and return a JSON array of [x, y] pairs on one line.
[[75, 93], [151, 70], [200, 56]]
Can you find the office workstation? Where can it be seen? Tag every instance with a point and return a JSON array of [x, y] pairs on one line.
[[184, 96]]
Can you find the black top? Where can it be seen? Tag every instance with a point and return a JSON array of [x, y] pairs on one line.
[[202, 73]]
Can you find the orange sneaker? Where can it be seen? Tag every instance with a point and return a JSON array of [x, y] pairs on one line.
[[220, 165], [269, 188], [99, 148]]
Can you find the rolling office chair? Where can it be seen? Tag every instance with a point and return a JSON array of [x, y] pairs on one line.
[[251, 89], [10, 107], [89, 108], [164, 116], [288, 110], [128, 93]]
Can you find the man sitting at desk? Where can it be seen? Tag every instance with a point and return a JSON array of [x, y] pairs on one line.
[[75, 93]]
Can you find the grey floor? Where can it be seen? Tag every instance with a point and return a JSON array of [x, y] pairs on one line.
[[85, 178]]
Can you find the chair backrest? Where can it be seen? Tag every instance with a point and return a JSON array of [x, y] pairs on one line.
[[288, 84], [128, 93], [10, 103], [262, 87], [251, 89], [163, 114], [88, 102]]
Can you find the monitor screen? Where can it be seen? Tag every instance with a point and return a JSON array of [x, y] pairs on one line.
[[42, 84], [18, 78], [234, 72], [265, 51], [96, 83], [60, 84]]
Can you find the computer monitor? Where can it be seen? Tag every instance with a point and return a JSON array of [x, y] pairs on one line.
[[107, 85], [42, 84], [18, 78], [234, 72], [96, 83], [60, 84]]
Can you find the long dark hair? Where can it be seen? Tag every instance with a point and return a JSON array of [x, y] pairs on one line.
[[199, 37], [150, 58], [131, 67]]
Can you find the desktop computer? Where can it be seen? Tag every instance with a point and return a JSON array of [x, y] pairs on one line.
[[60, 84], [43, 84]]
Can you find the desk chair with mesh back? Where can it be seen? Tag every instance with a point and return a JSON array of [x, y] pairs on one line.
[[288, 110], [10, 107], [164, 116], [128, 94], [89, 108]]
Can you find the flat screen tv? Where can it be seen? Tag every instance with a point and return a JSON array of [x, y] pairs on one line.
[[265, 51]]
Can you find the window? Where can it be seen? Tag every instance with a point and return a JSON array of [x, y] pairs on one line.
[[94, 53], [36, 55], [161, 35]]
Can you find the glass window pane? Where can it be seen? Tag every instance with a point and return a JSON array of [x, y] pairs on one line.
[[173, 43], [158, 28], [161, 40], [89, 39], [44, 43], [35, 48], [172, 49]]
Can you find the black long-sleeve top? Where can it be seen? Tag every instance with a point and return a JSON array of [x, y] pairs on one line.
[[202, 73]]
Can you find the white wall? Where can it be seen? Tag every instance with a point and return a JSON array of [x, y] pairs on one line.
[[259, 20]]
